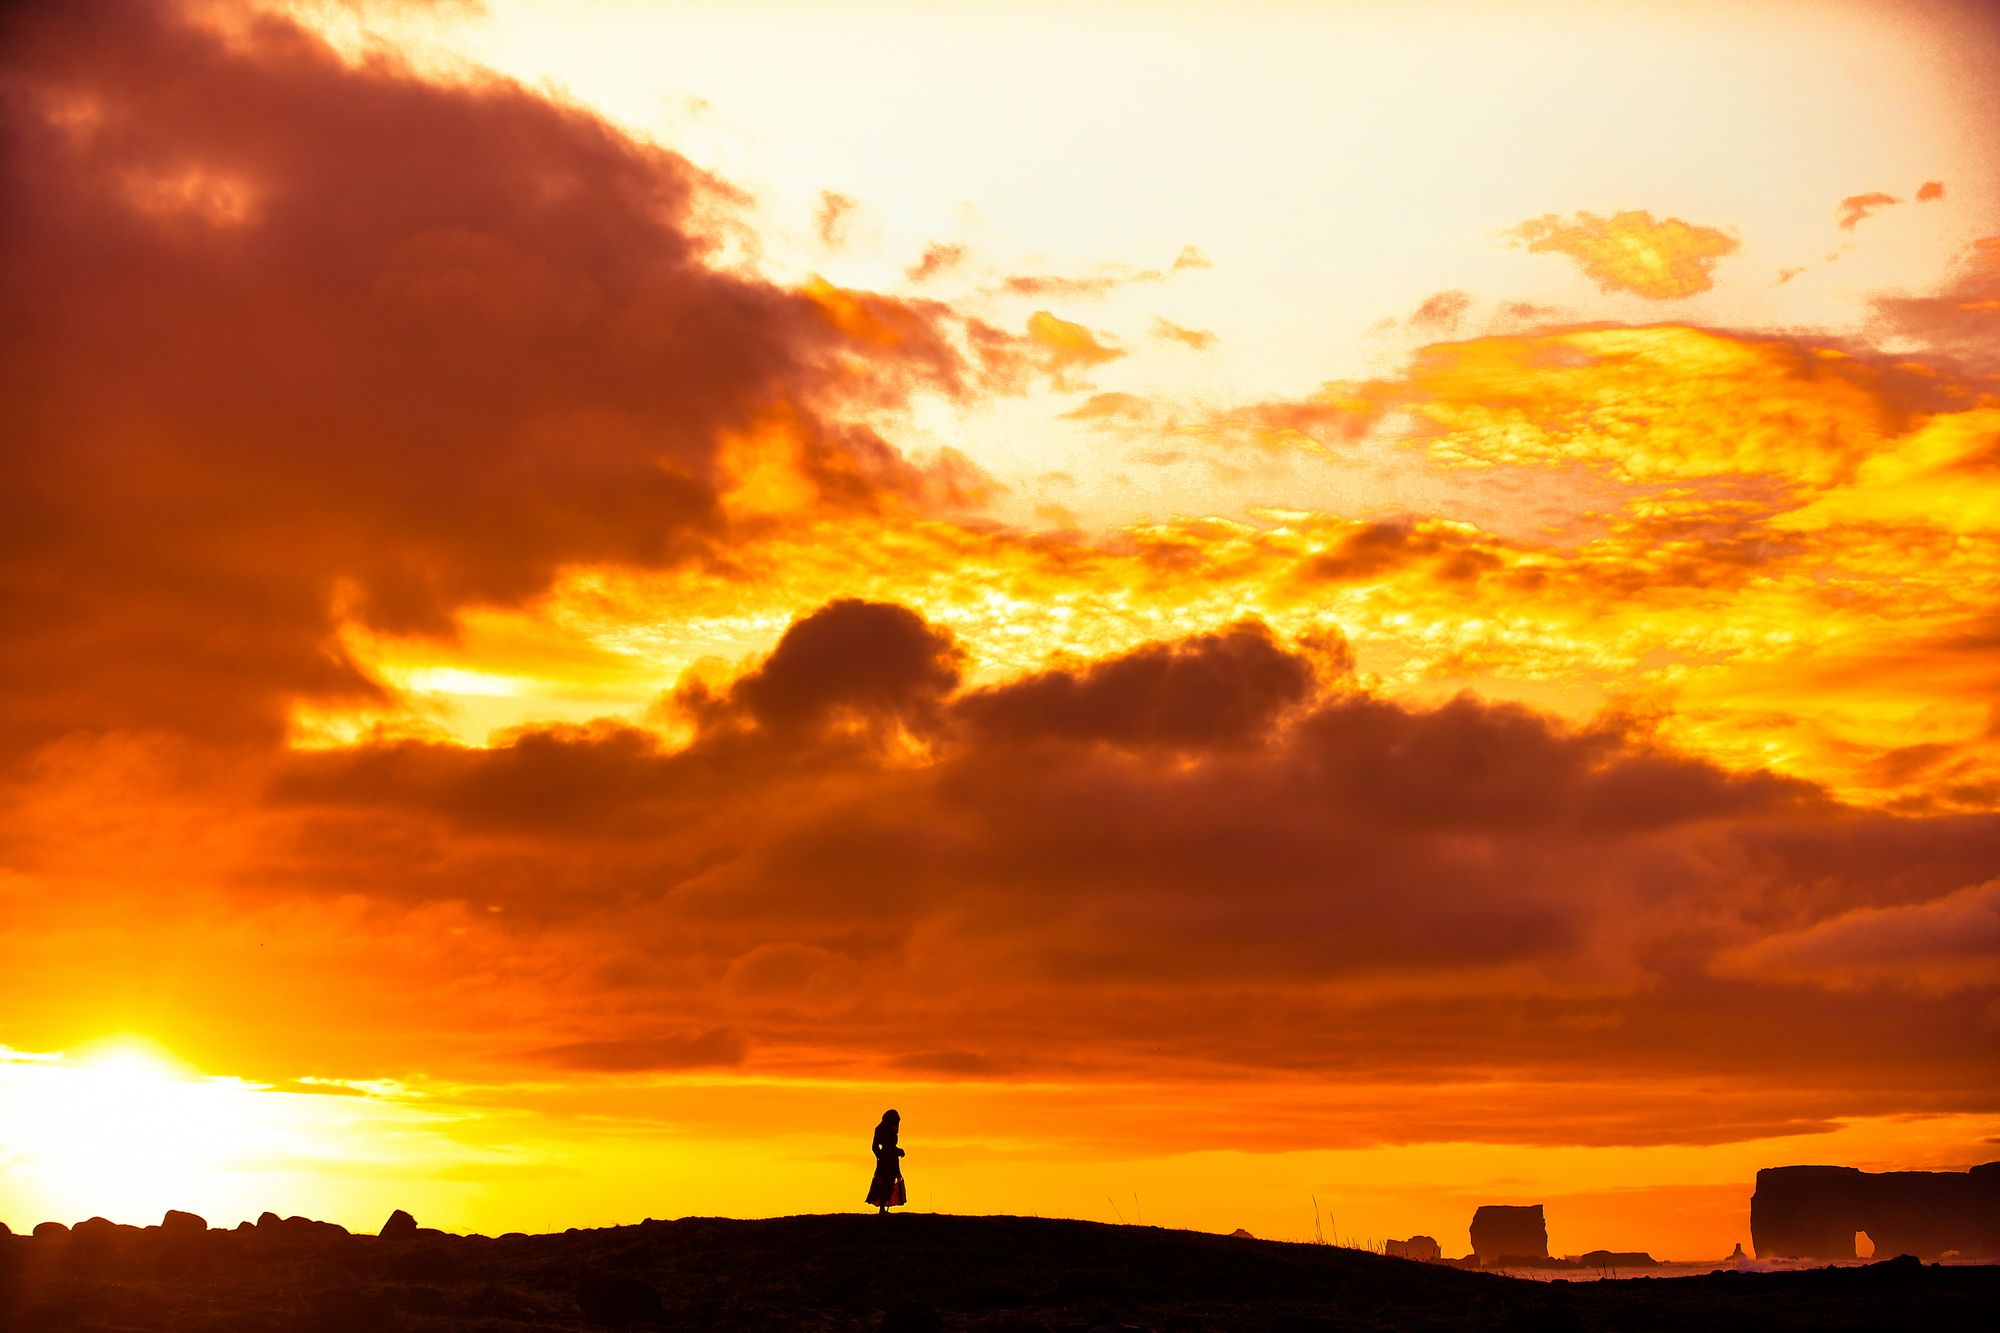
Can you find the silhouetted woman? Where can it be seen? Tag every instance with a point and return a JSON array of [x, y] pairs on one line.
[[886, 1190]]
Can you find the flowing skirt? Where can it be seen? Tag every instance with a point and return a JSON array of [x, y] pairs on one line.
[[886, 1190]]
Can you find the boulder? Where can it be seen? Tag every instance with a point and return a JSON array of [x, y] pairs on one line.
[[1509, 1231], [1619, 1259], [50, 1230], [1416, 1247], [400, 1226], [95, 1228], [1242, 1234], [1813, 1212], [175, 1220], [269, 1221]]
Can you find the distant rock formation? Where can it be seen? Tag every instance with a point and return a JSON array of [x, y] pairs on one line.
[[1505, 1231], [1416, 1247], [176, 1220], [1812, 1212], [1618, 1259], [1242, 1233], [50, 1230], [400, 1226]]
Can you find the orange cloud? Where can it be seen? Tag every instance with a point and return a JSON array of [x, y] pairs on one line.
[[1856, 207], [937, 258], [1101, 406], [832, 218], [1067, 349], [1441, 312], [1631, 252], [1930, 190], [1199, 339], [1949, 943], [1962, 320]]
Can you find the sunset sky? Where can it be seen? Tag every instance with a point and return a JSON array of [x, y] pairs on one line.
[[1236, 607]]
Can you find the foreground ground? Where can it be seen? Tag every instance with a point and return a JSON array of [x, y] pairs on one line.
[[900, 1274]]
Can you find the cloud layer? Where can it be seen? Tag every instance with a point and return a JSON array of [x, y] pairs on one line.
[[316, 362]]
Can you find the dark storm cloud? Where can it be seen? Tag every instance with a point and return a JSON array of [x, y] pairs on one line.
[[291, 338], [1212, 852]]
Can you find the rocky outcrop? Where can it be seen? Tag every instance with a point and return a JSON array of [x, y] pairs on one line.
[[1812, 1212], [176, 1220], [1504, 1231], [1616, 1259], [1416, 1247], [400, 1226]]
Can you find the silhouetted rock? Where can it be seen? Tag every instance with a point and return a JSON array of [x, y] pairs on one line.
[[177, 1221], [50, 1230], [400, 1226], [269, 1221], [1416, 1247], [1620, 1259], [1242, 1233], [1801, 1212], [613, 1298], [309, 1229], [1500, 1231], [95, 1228], [911, 1318]]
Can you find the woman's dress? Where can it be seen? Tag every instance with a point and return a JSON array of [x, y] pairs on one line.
[[886, 1190]]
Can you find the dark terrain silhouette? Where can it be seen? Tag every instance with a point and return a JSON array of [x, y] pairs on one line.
[[919, 1273]]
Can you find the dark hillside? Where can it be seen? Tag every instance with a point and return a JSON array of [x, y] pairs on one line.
[[912, 1273]]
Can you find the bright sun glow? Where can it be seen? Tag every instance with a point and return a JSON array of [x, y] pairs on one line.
[[123, 1127]]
